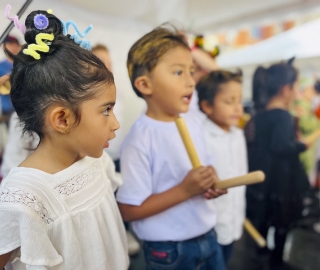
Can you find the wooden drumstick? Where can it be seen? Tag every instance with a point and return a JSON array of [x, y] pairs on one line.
[[188, 144], [251, 178], [252, 231]]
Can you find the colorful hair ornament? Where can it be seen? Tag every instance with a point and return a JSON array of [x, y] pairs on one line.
[[208, 44], [49, 11], [15, 19], [40, 21], [41, 45], [76, 36]]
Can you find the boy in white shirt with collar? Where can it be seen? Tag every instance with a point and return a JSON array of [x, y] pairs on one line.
[[220, 98], [167, 200]]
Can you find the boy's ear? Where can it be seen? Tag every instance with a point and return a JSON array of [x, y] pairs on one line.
[[61, 119], [144, 85], [206, 107]]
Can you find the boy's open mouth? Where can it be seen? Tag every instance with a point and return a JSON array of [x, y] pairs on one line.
[[187, 98]]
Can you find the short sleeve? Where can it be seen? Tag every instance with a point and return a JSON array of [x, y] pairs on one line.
[[113, 176], [137, 176], [23, 231]]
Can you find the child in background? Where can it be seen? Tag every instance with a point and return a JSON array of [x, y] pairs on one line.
[[220, 98], [274, 149], [57, 208], [102, 52], [165, 198]]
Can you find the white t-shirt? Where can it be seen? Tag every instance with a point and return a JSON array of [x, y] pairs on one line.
[[66, 220], [153, 160], [229, 151]]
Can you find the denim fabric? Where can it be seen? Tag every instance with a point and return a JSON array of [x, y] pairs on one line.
[[200, 253], [226, 252]]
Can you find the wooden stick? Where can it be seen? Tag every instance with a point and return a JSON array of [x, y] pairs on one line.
[[312, 137], [187, 141], [251, 178], [252, 231]]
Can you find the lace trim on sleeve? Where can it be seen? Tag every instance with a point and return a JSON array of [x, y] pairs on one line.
[[21, 196], [77, 182]]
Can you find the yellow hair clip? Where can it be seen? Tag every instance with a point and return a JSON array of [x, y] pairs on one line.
[[40, 46], [49, 11]]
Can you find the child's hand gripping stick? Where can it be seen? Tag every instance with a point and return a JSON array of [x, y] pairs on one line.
[[251, 178]]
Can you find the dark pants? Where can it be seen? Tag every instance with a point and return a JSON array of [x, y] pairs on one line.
[[226, 252], [200, 253]]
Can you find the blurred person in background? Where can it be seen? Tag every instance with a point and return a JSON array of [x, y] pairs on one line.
[[13, 45], [220, 98], [307, 121], [6, 108], [274, 148], [204, 62], [316, 99]]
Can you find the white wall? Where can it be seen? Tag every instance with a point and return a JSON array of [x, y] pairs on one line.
[[118, 34]]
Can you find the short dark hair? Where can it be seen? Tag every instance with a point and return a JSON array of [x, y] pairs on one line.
[[267, 82], [67, 74], [146, 52], [210, 84]]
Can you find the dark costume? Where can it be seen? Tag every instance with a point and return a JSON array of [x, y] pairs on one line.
[[274, 149]]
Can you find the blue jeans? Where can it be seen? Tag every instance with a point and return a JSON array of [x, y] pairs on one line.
[[226, 252], [200, 253]]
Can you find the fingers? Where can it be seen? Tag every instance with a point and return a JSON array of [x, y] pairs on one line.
[[209, 172], [214, 193]]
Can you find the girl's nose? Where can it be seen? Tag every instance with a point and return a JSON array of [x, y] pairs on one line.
[[115, 124]]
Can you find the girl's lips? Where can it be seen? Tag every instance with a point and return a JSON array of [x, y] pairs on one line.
[[106, 145]]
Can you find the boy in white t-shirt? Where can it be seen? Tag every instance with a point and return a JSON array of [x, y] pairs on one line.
[[220, 98], [165, 198]]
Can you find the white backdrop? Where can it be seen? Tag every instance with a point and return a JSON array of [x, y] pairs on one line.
[[302, 42]]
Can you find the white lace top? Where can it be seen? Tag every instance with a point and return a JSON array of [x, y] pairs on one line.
[[68, 220]]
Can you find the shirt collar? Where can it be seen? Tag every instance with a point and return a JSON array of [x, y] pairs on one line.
[[214, 129]]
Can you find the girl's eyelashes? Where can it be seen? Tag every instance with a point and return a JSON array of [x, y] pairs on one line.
[[106, 111], [178, 72], [229, 102]]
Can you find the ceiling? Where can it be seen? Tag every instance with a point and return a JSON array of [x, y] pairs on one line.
[[195, 15]]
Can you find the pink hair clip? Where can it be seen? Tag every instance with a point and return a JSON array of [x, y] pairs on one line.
[[15, 19]]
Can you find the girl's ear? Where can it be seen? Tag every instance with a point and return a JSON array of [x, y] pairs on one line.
[[144, 85], [206, 107], [287, 91], [61, 119]]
